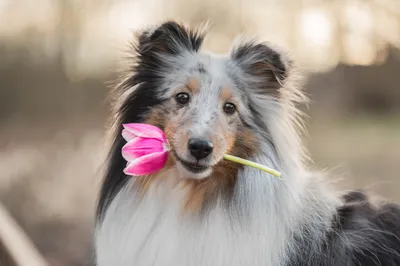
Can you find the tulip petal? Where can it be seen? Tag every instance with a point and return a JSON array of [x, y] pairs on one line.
[[145, 131], [147, 164], [126, 152], [128, 135], [139, 147]]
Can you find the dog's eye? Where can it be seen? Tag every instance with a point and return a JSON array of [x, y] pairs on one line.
[[229, 108], [182, 98]]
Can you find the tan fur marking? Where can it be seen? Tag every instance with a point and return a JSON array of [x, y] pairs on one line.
[[156, 118], [230, 140], [225, 94], [199, 192], [170, 132], [193, 85], [195, 197]]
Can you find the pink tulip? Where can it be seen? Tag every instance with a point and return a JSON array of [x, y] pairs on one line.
[[146, 150]]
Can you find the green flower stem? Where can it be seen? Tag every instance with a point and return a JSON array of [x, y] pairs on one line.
[[252, 164]]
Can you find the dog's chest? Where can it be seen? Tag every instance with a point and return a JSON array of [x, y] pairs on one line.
[[155, 232]]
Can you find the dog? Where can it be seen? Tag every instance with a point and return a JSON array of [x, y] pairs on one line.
[[203, 210]]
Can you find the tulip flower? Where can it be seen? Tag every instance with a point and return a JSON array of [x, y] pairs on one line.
[[146, 151]]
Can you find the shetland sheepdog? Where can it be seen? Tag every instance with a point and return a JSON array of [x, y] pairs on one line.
[[201, 210]]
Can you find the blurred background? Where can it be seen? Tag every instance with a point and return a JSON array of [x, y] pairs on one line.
[[57, 58]]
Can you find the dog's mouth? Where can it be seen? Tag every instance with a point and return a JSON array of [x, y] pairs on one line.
[[195, 168]]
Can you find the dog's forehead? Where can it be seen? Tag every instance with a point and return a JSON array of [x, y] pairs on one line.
[[211, 71], [213, 68]]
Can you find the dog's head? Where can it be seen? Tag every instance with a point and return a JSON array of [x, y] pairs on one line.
[[207, 105]]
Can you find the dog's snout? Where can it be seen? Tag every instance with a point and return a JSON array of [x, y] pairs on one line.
[[200, 148]]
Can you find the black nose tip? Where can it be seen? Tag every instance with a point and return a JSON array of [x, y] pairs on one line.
[[199, 148]]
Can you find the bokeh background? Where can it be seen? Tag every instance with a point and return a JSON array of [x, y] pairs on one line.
[[57, 58]]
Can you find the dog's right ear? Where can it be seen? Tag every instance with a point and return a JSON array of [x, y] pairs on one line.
[[169, 39], [264, 66]]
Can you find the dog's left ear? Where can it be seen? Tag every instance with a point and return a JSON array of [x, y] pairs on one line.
[[265, 68]]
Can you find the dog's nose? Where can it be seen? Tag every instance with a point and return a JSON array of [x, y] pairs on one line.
[[200, 148]]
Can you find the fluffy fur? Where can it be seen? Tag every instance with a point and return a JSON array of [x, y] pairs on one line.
[[228, 214]]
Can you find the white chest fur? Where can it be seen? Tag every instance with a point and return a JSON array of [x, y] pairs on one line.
[[154, 231]]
